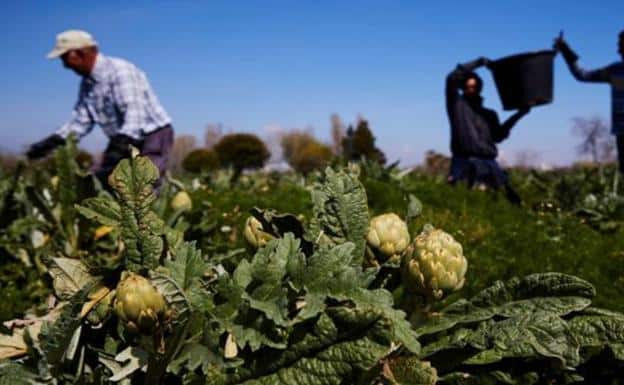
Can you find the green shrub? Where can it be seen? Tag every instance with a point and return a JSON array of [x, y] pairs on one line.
[[304, 153], [200, 160], [242, 151]]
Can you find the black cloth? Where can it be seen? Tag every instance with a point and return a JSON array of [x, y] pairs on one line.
[[44, 147], [475, 130]]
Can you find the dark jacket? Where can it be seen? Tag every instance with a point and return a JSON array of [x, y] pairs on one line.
[[475, 130]]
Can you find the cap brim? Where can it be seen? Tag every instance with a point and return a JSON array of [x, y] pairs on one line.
[[56, 52]]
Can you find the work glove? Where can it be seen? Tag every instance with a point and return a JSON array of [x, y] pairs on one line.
[[43, 148]]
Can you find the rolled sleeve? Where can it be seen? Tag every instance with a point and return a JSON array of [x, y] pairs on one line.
[[80, 124]]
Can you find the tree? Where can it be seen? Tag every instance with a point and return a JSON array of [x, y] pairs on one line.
[[212, 134], [182, 146], [200, 160], [303, 152], [241, 151], [596, 141], [337, 133], [360, 143]]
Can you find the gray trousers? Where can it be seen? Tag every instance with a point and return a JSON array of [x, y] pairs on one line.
[[156, 146]]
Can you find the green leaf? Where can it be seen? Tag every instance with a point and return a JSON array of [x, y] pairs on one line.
[[496, 377], [141, 230], [414, 207], [556, 293], [66, 167], [340, 211], [187, 269], [15, 374], [335, 351], [409, 371], [56, 339], [531, 335], [600, 331], [133, 180], [102, 209], [174, 296]]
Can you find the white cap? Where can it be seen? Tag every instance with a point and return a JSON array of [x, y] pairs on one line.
[[71, 39]]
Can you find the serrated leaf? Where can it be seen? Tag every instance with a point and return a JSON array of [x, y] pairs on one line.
[[600, 331], [340, 211], [56, 339], [68, 276], [141, 229], [530, 336], [409, 371], [187, 269], [174, 296], [338, 348], [557, 293], [102, 209]]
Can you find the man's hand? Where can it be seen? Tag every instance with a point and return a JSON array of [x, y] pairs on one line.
[[42, 148], [560, 45]]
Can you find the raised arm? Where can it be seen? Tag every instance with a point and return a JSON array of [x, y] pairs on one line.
[[454, 81], [600, 75], [503, 131], [81, 121]]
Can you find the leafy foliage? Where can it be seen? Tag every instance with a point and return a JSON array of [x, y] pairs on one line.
[[301, 309]]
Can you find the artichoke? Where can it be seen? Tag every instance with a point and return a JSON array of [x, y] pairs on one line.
[[181, 202], [388, 234], [254, 233], [434, 264], [139, 305]]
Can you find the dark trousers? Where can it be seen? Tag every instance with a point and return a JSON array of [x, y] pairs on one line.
[[620, 149], [155, 145]]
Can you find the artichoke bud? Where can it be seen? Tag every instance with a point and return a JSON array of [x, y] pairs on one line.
[[388, 234], [254, 233], [434, 264], [54, 181], [139, 305], [181, 202]]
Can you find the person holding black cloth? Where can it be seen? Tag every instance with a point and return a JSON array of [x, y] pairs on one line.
[[612, 74], [475, 131]]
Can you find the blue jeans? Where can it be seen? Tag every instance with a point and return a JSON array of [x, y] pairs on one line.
[[477, 171]]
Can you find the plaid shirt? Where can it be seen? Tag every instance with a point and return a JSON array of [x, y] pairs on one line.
[[118, 97]]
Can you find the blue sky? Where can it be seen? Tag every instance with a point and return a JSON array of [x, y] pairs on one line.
[[257, 65]]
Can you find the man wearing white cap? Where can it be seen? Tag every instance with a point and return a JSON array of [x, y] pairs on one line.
[[116, 95]]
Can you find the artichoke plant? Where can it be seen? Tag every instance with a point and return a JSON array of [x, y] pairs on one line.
[[254, 233], [388, 234], [182, 202], [138, 304], [434, 264]]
